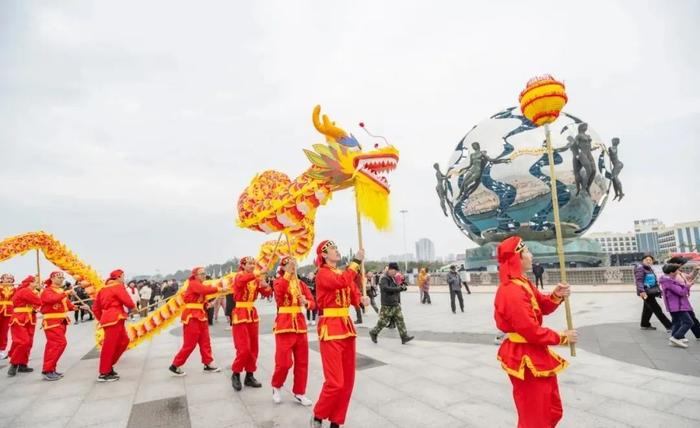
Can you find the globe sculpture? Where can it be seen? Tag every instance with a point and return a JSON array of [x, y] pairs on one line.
[[497, 185]]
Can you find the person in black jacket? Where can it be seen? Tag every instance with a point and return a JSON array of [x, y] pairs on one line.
[[538, 271], [391, 305]]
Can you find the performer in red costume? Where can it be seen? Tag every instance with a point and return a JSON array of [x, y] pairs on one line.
[[293, 298], [525, 354], [109, 311], [246, 287], [25, 301], [195, 328], [7, 289], [335, 293], [55, 307]]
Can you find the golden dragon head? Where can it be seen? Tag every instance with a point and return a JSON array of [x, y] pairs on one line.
[[341, 163]]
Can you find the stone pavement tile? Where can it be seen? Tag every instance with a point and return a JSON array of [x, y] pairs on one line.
[[159, 390], [428, 392], [220, 413], [638, 416], [53, 423], [106, 390], [47, 410], [634, 394], [372, 392], [6, 422], [686, 408], [451, 362], [12, 407], [670, 387], [112, 410], [618, 373], [362, 417], [572, 378], [212, 391], [578, 397], [285, 414], [497, 393], [576, 418], [479, 414], [390, 375], [27, 385], [445, 376], [407, 412], [68, 386]]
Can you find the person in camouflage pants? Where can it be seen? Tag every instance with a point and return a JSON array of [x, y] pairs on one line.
[[391, 305]]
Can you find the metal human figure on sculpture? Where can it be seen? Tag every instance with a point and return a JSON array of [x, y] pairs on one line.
[[478, 160], [581, 147], [441, 187], [616, 168]]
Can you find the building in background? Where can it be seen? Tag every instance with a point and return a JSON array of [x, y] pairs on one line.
[[680, 238], [615, 242], [647, 234], [425, 250]]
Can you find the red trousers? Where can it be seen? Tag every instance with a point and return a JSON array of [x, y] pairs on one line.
[[245, 339], [55, 345], [195, 332], [4, 331], [115, 343], [537, 400], [338, 359], [288, 345], [22, 341]]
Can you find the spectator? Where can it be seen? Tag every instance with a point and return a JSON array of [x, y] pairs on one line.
[[463, 276], [372, 286], [676, 292], [424, 286], [648, 290], [310, 281], [82, 294], [74, 299], [133, 292], [455, 284], [391, 305], [145, 293], [538, 271]]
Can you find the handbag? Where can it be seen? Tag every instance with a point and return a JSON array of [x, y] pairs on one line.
[[651, 286]]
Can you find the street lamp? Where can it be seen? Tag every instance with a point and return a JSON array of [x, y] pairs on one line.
[[405, 250]]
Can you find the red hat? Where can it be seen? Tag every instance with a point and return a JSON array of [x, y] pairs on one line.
[[116, 274], [193, 275], [48, 281], [245, 261], [509, 262], [27, 281], [283, 262], [321, 249]]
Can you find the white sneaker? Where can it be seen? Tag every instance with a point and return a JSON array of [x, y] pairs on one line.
[[684, 340], [3, 354], [303, 400], [276, 397], [677, 342]]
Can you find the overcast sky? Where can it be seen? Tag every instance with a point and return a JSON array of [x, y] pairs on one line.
[[128, 129]]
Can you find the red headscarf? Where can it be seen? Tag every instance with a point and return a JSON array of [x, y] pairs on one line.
[[26, 282], [115, 274], [509, 262], [244, 261], [283, 263], [320, 250], [194, 272], [48, 281]]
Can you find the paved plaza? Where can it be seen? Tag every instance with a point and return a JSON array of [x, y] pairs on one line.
[[447, 377]]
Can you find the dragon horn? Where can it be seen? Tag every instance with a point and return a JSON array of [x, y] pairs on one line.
[[327, 128]]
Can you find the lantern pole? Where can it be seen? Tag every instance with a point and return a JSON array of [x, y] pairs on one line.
[[557, 230]]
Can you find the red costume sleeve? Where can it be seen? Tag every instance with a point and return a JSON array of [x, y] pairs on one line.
[[522, 318], [310, 303], [70, 305], [264, 291], [281, 286], [548, 302], [355, 294], [97, 307], [328, 279], [124, 297], [33, 298], [197, 287], [49, 297]]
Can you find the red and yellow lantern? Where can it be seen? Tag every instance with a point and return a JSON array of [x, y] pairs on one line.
[[543, 99]]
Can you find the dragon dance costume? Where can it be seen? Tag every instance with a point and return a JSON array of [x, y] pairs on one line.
[[55, 307]]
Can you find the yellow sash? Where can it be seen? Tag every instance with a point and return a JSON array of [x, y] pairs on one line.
[[244, 305], [336, 312], [55, 316], [289, 309], [194, 306], [516, 338], [23, 310]]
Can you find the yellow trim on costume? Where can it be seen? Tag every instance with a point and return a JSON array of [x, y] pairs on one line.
[[354, 266], [5, 302], [194, 306], [526, 361], [526, 286], [336, 312], [55, 316], [245, 305], [556, 299], [516, 338], [323, 334], [23, 310], [289, 310]]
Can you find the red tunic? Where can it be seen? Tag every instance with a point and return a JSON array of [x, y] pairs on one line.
[[290, 316], [519, 310], [25, 301], [195, 298], [54, 303], [110, 302], [336, 290], [6, 292], [246, 287]]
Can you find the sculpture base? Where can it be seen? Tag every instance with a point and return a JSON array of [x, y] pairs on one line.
[[579, 252]]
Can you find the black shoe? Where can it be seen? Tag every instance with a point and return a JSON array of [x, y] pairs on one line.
[[650, 327], [107, 378], [316, 423], [462, 310], [373, 336], [59, 374], [454, 312], [24, 369], [334, 425], [51, 376], [236, 381], [176, 371], [114, 374], [405, 340], [12, 371], [251, 381], [211, 369]]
